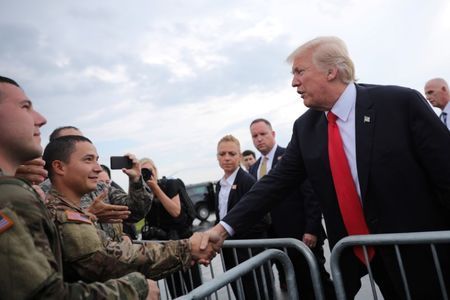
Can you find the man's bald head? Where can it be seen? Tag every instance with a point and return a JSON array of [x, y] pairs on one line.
[[437, 92]]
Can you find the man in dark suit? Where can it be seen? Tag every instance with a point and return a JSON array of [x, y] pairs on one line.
[[230, 189], [396, 153], [297, 216]]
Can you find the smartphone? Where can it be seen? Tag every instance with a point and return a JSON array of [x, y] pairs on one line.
[[121, 162]]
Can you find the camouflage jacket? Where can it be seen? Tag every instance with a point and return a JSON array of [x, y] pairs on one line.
[[139, 200], [89, 254], [30, 254]]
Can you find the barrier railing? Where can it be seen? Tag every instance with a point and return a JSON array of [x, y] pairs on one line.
[[283, 243], [243, 268], [394, 239], [286, 243]]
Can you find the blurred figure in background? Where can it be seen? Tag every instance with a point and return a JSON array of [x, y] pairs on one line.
[[128, 228], [248, 159], [169, 218], [298, 216], [234, 184], [436, 91]]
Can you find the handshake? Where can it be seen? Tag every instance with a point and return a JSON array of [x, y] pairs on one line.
[[205, 245]]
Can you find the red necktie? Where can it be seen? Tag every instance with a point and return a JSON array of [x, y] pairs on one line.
[[348, 199]]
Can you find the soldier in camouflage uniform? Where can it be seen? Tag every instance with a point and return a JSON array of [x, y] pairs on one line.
[[138, 200], [30, 252], [71, 162]]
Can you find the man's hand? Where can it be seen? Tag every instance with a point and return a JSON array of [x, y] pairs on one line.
[[40, 192], [153, 290], [310, 240], [108, 213], [211, 235], [134, 173], [205, 255], [210, 243], [33, 171]]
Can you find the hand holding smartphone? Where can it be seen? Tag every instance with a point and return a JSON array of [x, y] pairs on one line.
[[121, 162]]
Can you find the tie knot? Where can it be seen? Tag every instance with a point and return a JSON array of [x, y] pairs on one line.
[[331, 117]]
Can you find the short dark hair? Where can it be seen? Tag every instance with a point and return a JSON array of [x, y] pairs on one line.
[[61, 149], [107, 170], [56, 133], [9, 81], [4, 79], [261, 120], [249, 152]]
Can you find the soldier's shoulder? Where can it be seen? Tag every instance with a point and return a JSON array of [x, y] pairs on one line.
[[19, 197], [14, 189], [8, 181]]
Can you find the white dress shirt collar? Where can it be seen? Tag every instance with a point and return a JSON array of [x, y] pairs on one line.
[[226, 184], [346, 102], [230, 179], [344, 109]]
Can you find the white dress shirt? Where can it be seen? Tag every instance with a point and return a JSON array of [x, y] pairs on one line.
[[344, 109], [226, 184]]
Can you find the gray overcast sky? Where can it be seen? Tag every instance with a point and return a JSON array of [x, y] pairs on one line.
[[167, 79]]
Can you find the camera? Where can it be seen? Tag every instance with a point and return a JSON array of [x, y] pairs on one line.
[[153, 233], [146, 174]]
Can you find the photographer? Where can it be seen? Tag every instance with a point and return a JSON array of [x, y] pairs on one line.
[[169, 219]]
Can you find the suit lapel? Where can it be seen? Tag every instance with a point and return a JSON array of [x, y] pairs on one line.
[[364, 126], [320, 136], [254, 168], [232, 199], [277, 156], [217, 195]]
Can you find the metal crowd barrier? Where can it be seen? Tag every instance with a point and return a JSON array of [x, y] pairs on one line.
[[394, 239], [286, 243], [241, 269], [209, 273]]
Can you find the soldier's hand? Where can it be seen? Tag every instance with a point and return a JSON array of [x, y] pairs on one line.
[[126, 239], [310, 240], [134, 173], [33, 171], [153, 290], [108, 213], [206, 254]]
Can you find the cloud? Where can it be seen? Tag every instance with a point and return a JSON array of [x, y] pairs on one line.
[[167, 79]]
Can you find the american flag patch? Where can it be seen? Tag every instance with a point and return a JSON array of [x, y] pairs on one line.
[[76, 216], [5, 222]]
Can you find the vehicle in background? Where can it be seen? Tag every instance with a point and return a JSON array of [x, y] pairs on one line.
[[203, 198]]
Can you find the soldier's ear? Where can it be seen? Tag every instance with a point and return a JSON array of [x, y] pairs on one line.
[[58, 167]]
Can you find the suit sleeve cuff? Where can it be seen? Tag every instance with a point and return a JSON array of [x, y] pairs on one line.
[[228, 228]]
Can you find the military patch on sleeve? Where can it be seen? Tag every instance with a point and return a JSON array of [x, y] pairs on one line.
[[5, 222], [76, 216]]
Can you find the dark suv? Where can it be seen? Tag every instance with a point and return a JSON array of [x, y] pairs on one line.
[[203, 197]]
